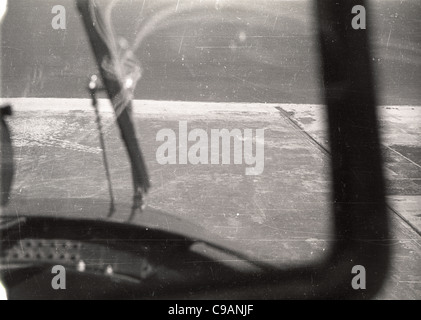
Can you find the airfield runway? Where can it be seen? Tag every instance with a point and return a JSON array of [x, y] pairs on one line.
[[281, 216]]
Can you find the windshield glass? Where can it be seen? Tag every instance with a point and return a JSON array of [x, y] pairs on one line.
[[200, 69], [226, 105]]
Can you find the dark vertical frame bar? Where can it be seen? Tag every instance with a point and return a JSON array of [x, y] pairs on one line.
[[360, 218], [6, 156]]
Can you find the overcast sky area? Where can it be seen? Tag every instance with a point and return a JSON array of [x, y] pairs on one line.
[[262, 51]]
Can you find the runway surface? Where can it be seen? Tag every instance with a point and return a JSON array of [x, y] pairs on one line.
[[281, 216]]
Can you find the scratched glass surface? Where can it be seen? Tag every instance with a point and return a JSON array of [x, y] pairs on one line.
[[215, 64]]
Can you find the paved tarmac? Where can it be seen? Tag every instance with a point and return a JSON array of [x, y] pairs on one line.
[[401, 145], [280, 216]]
